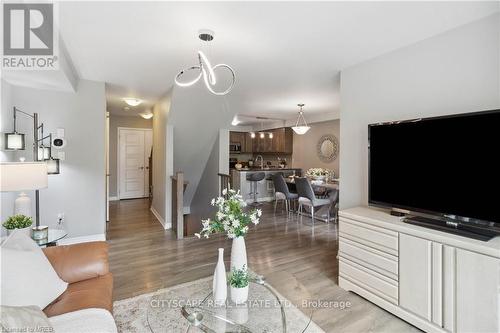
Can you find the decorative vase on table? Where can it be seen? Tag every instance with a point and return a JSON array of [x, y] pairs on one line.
[[238, 253], [26, 231], [239, 295], [219, 285]]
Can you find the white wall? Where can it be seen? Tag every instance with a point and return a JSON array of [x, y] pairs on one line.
[[79, 190], [115, 122], [305, 155], [454, 72], [196, 117], [162, 161]]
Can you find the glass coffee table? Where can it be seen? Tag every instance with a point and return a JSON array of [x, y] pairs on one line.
[[189, 307]]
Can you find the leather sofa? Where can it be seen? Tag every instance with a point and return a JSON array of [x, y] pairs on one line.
[[85, 268]]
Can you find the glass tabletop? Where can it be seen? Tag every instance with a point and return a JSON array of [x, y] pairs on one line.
[[53, 236], [190, 307]]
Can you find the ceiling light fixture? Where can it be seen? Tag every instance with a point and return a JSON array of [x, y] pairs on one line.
[[301, 129], [270, 135], [252, 135], [235, 121], [146, 115], [206, 70], [132, 101]]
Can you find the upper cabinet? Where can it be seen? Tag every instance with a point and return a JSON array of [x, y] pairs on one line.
[[281, 141]]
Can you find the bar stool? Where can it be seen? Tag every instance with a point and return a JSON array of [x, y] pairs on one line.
[[254, 178]]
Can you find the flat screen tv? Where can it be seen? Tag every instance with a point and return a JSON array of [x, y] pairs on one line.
[[444, 166]]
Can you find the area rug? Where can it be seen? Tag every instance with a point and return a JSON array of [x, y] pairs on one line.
[[135, 314]]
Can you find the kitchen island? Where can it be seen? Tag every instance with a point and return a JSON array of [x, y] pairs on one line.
[[265, 187]]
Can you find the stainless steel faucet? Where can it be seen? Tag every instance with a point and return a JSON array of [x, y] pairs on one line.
[[261, 161]]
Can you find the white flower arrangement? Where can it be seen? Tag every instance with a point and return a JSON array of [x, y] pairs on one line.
[[319, 172], [230, 217]]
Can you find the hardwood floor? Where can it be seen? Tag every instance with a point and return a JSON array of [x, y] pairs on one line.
[[298, 259]]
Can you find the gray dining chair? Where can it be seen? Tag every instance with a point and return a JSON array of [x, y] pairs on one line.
[[308, 198], [282, 192]]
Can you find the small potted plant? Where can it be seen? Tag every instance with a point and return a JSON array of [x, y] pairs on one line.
[[19, 221], [238, 281]]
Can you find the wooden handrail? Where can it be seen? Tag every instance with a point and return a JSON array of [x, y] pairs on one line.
[[225, 182], [178, 188]]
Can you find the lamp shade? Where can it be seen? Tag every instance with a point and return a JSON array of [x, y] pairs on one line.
[[14, 141], [23, 176], [300, 130]]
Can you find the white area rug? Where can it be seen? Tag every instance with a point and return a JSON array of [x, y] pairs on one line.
[[131, 315]]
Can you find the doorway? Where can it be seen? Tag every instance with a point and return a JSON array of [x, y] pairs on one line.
[[134, 150]]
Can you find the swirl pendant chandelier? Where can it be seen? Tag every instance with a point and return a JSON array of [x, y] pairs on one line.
[[206, 70]]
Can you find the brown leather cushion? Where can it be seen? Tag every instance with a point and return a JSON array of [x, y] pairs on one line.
[[91, 293], [78, 262]]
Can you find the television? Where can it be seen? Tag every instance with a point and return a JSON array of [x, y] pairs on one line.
[[443, 170]]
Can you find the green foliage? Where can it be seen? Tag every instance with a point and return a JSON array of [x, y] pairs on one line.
[[239, 278], [18, 221]]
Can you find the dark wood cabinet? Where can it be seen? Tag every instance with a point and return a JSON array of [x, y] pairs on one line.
[[248, 146], [281, 141]]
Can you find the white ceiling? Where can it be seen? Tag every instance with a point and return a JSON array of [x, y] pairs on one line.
[[283, 52]]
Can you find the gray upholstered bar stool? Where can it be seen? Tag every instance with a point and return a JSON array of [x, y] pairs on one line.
[[308, 198], [282, 192], [254, 178]]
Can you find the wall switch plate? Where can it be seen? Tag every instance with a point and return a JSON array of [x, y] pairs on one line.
[[60, 132], [61, 155]]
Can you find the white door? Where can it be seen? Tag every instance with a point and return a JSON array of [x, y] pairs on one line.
[[107, 164], [131, 163]]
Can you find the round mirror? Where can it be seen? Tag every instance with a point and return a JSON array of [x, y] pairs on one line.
[[328, 148]]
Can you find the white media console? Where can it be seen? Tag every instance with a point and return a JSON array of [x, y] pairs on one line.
[[437, 281]]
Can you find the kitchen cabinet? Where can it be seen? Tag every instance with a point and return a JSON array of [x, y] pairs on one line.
[[248, 146], [237, 137], [280, 143]]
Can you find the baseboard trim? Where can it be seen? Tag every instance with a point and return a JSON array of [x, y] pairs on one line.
[[82, 239], [159, 218], [113, 199]]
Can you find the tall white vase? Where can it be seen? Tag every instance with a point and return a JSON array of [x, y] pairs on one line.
[[219, 285], [238, 254]]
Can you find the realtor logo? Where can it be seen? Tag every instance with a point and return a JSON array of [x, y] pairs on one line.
[[28, 36]]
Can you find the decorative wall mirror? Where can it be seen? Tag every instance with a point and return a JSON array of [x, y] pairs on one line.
[[328, 148]]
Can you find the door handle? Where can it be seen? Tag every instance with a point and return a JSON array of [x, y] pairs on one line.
[[141, 168]]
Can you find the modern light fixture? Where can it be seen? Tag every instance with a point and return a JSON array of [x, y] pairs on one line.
[[301, 129], [25, 176], [252, 135], [146, 115], [52, 166], [15, 140], [206, 70], [262, 135], [43, 153], [132, 101], [270, 135]]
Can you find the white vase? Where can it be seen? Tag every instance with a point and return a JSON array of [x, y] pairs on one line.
[[239, 295], [219, 285], [238, 254]]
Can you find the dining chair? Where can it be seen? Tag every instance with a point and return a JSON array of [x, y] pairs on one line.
[[282, 192], [308, 198]]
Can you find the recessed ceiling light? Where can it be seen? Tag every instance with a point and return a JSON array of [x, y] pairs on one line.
[[235, 121], [146, 114], [132, 101]]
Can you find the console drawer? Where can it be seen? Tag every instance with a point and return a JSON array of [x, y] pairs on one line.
[[369, 280], [381, 262], [378, 238]]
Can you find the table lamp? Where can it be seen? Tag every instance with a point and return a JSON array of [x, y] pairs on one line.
[[24, 176]]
